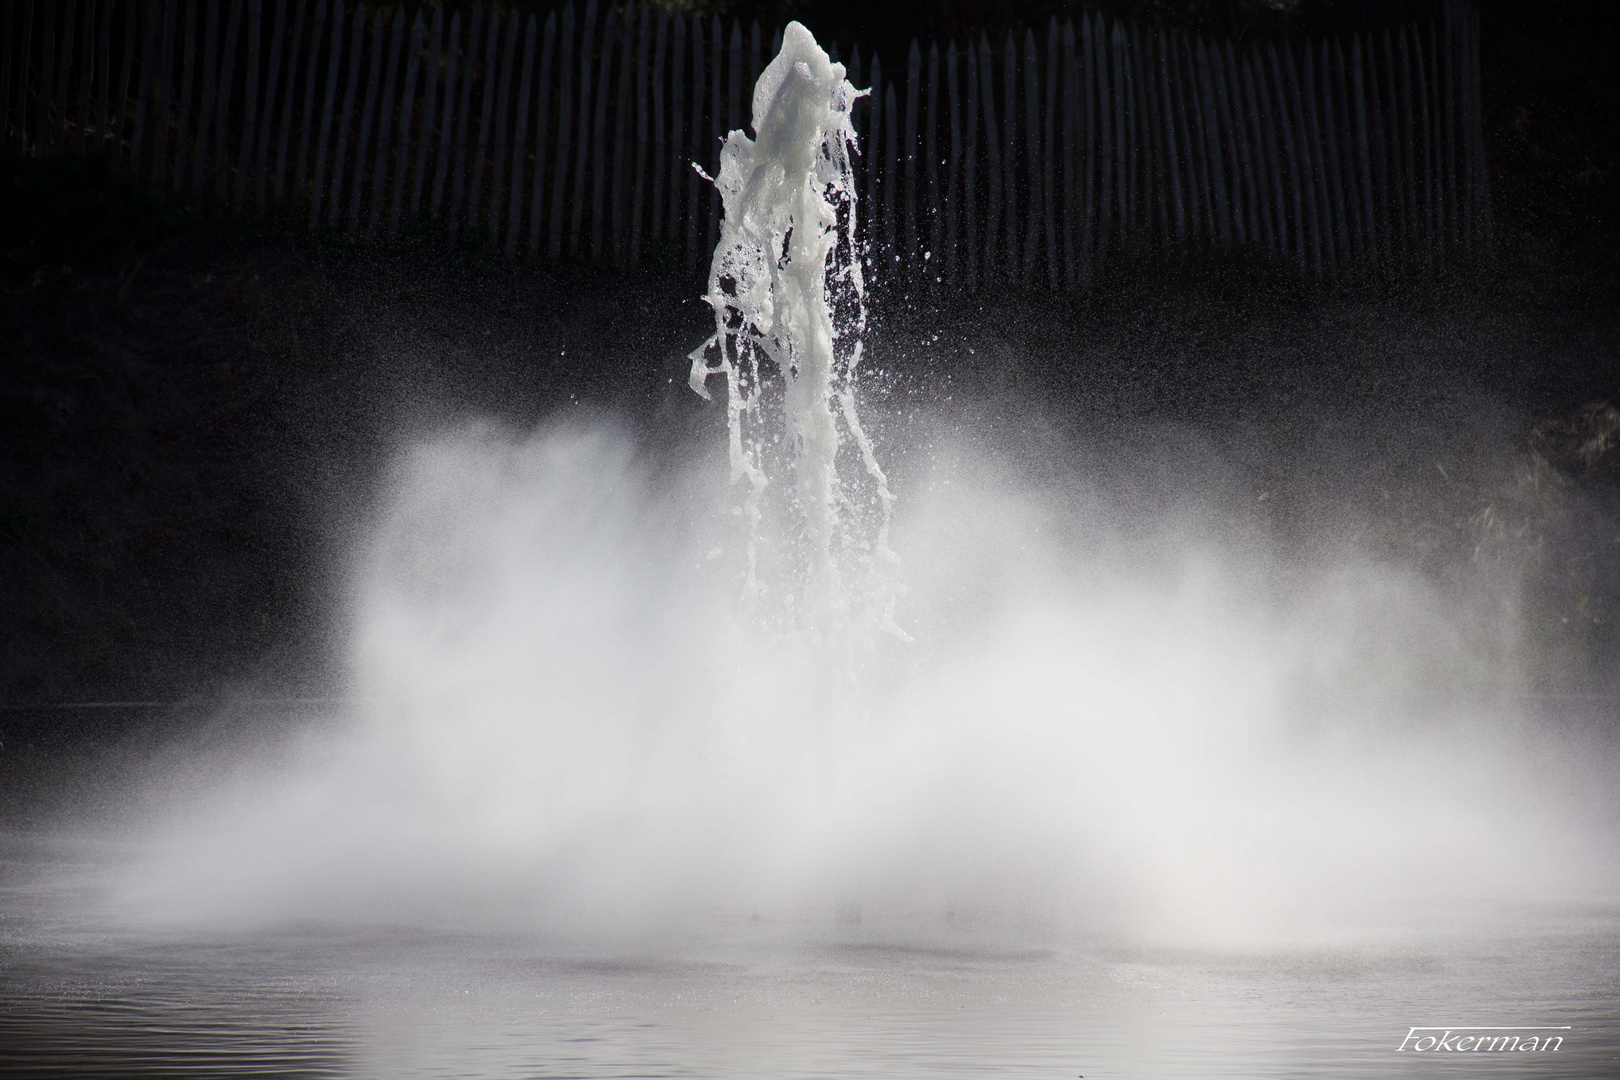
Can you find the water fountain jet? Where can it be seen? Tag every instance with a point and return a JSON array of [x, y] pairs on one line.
[[786, 288]]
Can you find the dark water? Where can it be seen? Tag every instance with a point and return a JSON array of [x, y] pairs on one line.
[[808, 998]]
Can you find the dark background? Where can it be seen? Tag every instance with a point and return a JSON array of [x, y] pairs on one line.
[[195, 410]]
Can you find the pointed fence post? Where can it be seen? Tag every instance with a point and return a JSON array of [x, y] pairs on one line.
[[250, 105], [379, 54], [1033, 173], [643, 50], [486, 112], [548, 50], [407, 109], [587, 49], [430, 100], [600, 176], [694, 148], [312, 70], [210, 87], [104, 78], [678, 157], [992, 157], [953, 181], [909, 153], [87, 71], [514, 215], [222, 104], [933, 196], [357, 37], [453, 78], [565, 102], [333, 63], [1009, 152], [284, 136], [657, 167], [267, 111], [497, 150]]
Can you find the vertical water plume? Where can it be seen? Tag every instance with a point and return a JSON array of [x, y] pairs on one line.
[[787, 292]]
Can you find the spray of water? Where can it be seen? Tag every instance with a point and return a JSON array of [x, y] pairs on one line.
[[1115, 712]]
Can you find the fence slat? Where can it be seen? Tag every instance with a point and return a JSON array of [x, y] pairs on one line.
[[64, 66], [25, 45], [1370, 227], [1294, 186], [587, 48], [1049, 211], [1247, 141], [1476, 126], [514, 217], [618, 194], [407, 108], [497, 150], [152, 25], [182, 139], [992, 159], [1254, 76], [386, 105], [284, 134], [643, 52], [486, 112], [600, 177], [548, 49], [733, 117], [47, 80], [222, 102], [374, 66], [1423, 147], [1075, 216], [210, 90], [951, 265], [86, 73], [933, 194], [1009, 154], [715, 134], [267, 111], [677, 111], [565, 84], [688, 172], [9, 43], [908, 151], [386, 42], [1243, 113], [453, 78], [1395, 136], [1035, 205], [430, 101], [1321, 211], [1448, 85], [1172, 151], [250, 105], [357, 37], [24, 58], [333, 54], [103, 78], [658, 169], [891, 173], [313, 68], [1151, 209], [469, 74]]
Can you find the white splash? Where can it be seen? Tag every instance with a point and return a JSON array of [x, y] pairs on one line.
[[786, 288]]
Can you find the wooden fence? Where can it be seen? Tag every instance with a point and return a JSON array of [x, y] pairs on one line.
[[1032, 159]]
